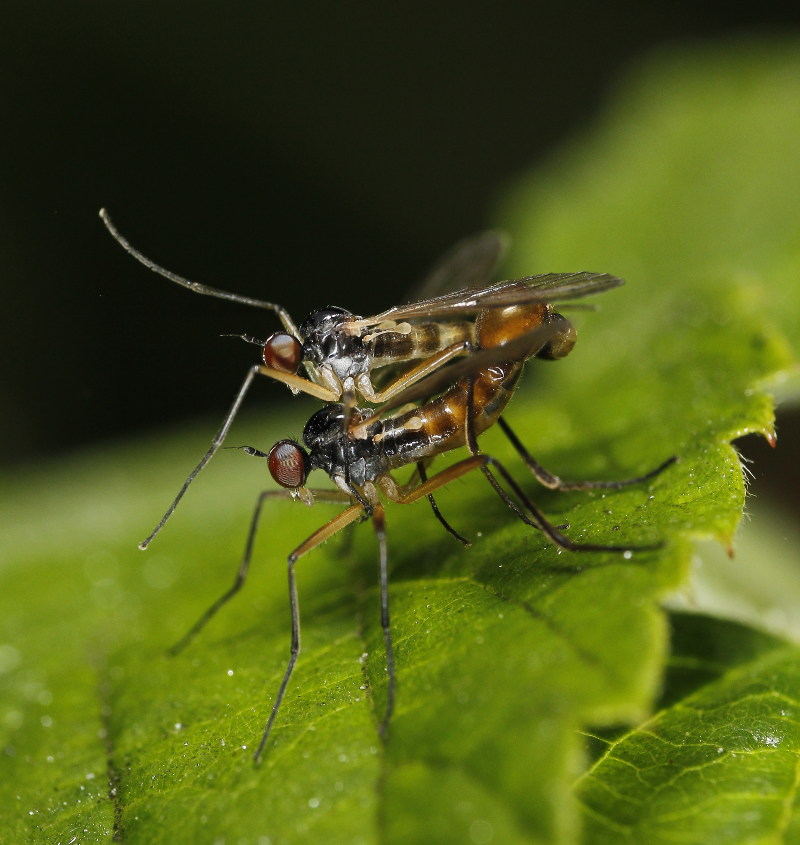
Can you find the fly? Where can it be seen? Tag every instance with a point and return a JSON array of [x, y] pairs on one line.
[[359, 449], [345, 355]]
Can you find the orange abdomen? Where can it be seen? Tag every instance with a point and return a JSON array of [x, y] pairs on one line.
[[438, 426]]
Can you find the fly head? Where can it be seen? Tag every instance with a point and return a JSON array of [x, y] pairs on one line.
[[327, 343]]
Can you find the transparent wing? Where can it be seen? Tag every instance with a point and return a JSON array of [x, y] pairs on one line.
[[550, 287], [471, 263], [520, 348]]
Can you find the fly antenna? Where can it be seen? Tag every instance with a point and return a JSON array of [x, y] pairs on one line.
[[246, 338], [197, 287]]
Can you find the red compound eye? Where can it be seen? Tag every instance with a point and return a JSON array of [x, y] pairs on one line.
[[282, 352], [288, 464]]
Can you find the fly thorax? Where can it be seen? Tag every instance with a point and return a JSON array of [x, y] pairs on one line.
[[333, 450], [324, 439], [328, 343]]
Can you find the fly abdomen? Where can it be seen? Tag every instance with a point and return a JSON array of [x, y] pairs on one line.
[[407, 342], [416, 434], [439, 425]]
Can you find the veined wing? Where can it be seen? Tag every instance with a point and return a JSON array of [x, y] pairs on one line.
[[549, 287], [519, 348], [471, 263]]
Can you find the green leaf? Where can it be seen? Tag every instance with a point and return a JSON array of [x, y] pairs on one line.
[[760, 586], [504, 650], [719, 764]]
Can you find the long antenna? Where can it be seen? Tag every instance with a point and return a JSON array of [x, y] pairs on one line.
[[195, 286]]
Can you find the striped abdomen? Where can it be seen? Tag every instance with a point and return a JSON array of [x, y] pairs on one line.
[[408, 342], [438, 425]]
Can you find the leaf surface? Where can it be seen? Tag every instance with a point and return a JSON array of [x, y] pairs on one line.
[[719, 763]]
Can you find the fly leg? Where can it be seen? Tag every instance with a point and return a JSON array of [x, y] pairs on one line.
[[553, 482], [339, 522], [423, 477], [471, 442], [540, 520], [536, 519], [244, 565], [413, 375], [220, 436], [379, 524]]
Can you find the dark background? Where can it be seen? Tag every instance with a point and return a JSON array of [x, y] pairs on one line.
[[311, 153]]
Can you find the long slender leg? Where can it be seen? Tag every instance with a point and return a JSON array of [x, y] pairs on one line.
[[470, 438], [423, 477], [220, 436], [446, 475], [238, 581], [218, 440], [244, 565], [295, 650], [477, 461], [343, 519], [473, 448], [379, 523], [553, 482], [544, 524], [538, 520], [471, 441], [402, 383], [299, 384]]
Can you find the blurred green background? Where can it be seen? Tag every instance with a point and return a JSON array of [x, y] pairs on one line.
[[309, 153]]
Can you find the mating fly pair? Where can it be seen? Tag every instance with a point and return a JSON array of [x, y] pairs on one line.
[[491, 329]]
